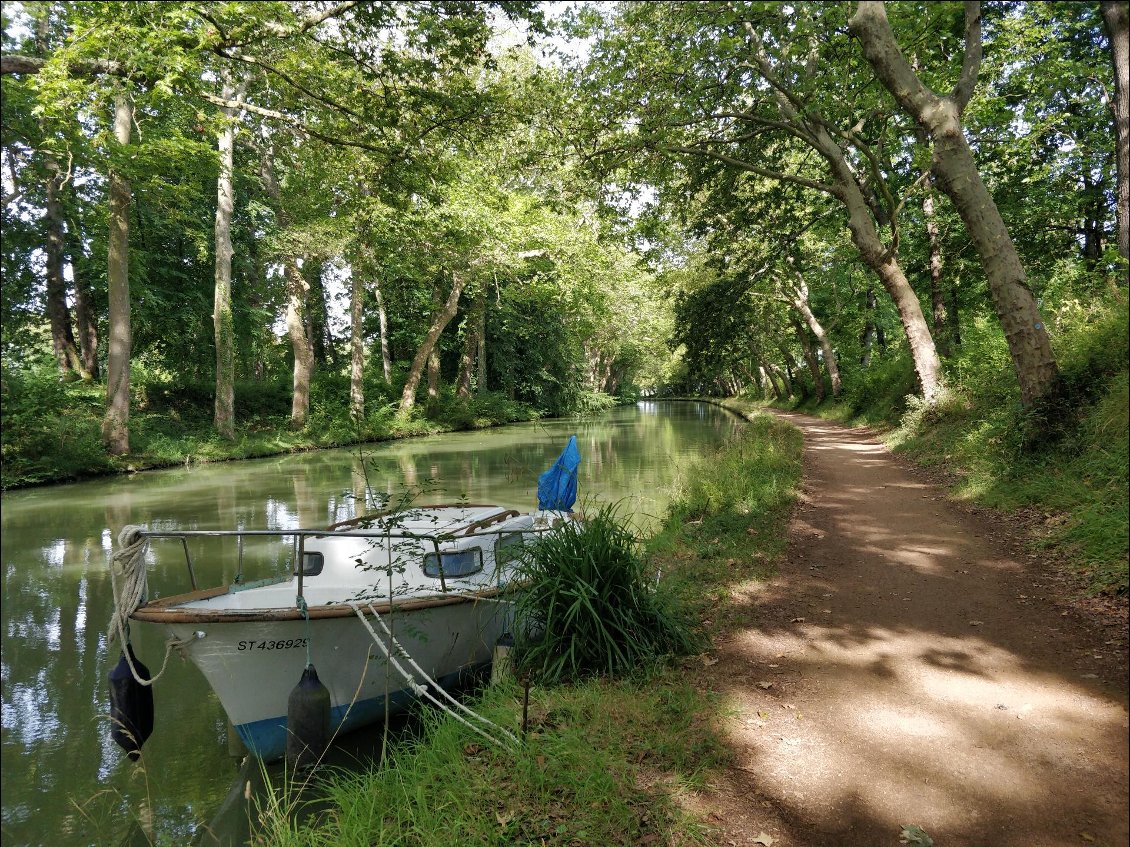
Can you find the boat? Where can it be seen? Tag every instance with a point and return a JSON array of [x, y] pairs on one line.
[[383, 606]]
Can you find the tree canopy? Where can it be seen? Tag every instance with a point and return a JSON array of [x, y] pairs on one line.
[[360, 203]]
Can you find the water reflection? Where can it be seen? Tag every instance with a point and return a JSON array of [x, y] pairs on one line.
[[64, 781]]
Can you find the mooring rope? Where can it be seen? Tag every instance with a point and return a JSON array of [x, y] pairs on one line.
[[422, 690], [129, 563], [446, 694]]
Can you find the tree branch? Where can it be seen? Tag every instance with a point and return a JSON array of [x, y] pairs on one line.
[[746, 166], [971, 60]]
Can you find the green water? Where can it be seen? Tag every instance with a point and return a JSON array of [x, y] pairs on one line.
[[64, 782]]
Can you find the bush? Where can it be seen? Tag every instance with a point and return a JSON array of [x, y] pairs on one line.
[[51, 431], [591, 606]]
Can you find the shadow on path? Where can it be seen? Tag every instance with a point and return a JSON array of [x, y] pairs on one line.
[[905, 668]]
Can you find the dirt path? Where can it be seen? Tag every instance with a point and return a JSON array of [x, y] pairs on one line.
[[910, 666]]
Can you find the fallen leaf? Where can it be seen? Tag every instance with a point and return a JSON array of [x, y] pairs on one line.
[[709, 660], [761, 713], [765, 685], [1086, 836], [976, 623], [503, 819], [471, 749], [763, 838], [797, 620]]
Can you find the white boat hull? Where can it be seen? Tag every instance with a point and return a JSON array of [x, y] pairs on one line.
[[439, 581], [253, 666]]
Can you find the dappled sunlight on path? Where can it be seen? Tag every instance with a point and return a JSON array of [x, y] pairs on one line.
[[904, 668]]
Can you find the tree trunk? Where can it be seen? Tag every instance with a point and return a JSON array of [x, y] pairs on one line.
[[953, 314], [299, 342], [472, 339], [811, 360], [439, 322], [786, 378], [295, 306], [846, 188], [222, 323], [85, 321], [1094, 211], [1116, 16], [953, 163], [867, 338], [767, 373], [317, 313], [62, 337], [115, 425], [756, 372], [937, 294], [790, 373], [356, 349], [481, 358], [885, 265], [386, 359], [801, 303], [433, 378]]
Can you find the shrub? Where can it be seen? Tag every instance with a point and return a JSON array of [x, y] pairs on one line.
[[50, 431], [591, 606]]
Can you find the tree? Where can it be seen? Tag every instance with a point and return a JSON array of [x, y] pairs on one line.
[[115, 424], [958, 176], [224, 418], [747, 95], [1118, 29]]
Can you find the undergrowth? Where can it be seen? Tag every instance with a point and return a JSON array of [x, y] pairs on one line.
[[52, 430]]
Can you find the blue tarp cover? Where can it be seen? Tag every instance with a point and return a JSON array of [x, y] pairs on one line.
[[557, 487]]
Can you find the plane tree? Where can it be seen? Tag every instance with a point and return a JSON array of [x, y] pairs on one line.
[[769, 90]]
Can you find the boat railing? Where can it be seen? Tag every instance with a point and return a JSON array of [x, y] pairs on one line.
[[300, 536]]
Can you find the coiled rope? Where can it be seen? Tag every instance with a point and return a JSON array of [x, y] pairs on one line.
[[508, 737], [128, 564]]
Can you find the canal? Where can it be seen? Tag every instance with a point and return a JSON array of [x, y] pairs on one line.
[[64, 782]]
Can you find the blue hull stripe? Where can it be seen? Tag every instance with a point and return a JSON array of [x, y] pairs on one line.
[[267, 738]]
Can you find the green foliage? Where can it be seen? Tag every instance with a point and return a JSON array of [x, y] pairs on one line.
[[534, 359], [882, 390], [51, 430], [914, 836], [725, 517], [591, 605], [480, 410], [573, 781]]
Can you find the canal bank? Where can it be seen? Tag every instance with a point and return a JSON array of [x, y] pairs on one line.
[[605, 761], [65, 783]]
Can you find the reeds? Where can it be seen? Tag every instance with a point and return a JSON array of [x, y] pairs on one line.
[[592, 606]]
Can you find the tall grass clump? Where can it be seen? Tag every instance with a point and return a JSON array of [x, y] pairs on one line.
[[592, 605]]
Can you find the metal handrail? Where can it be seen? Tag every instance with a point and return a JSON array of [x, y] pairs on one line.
[[300, 536]]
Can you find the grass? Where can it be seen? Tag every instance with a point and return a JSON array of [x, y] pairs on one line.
[[609, 759], [593, 604]]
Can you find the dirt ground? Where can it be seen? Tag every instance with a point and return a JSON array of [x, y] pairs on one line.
[[913, 664]]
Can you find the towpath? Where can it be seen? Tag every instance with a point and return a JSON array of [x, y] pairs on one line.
[[912, 665]]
